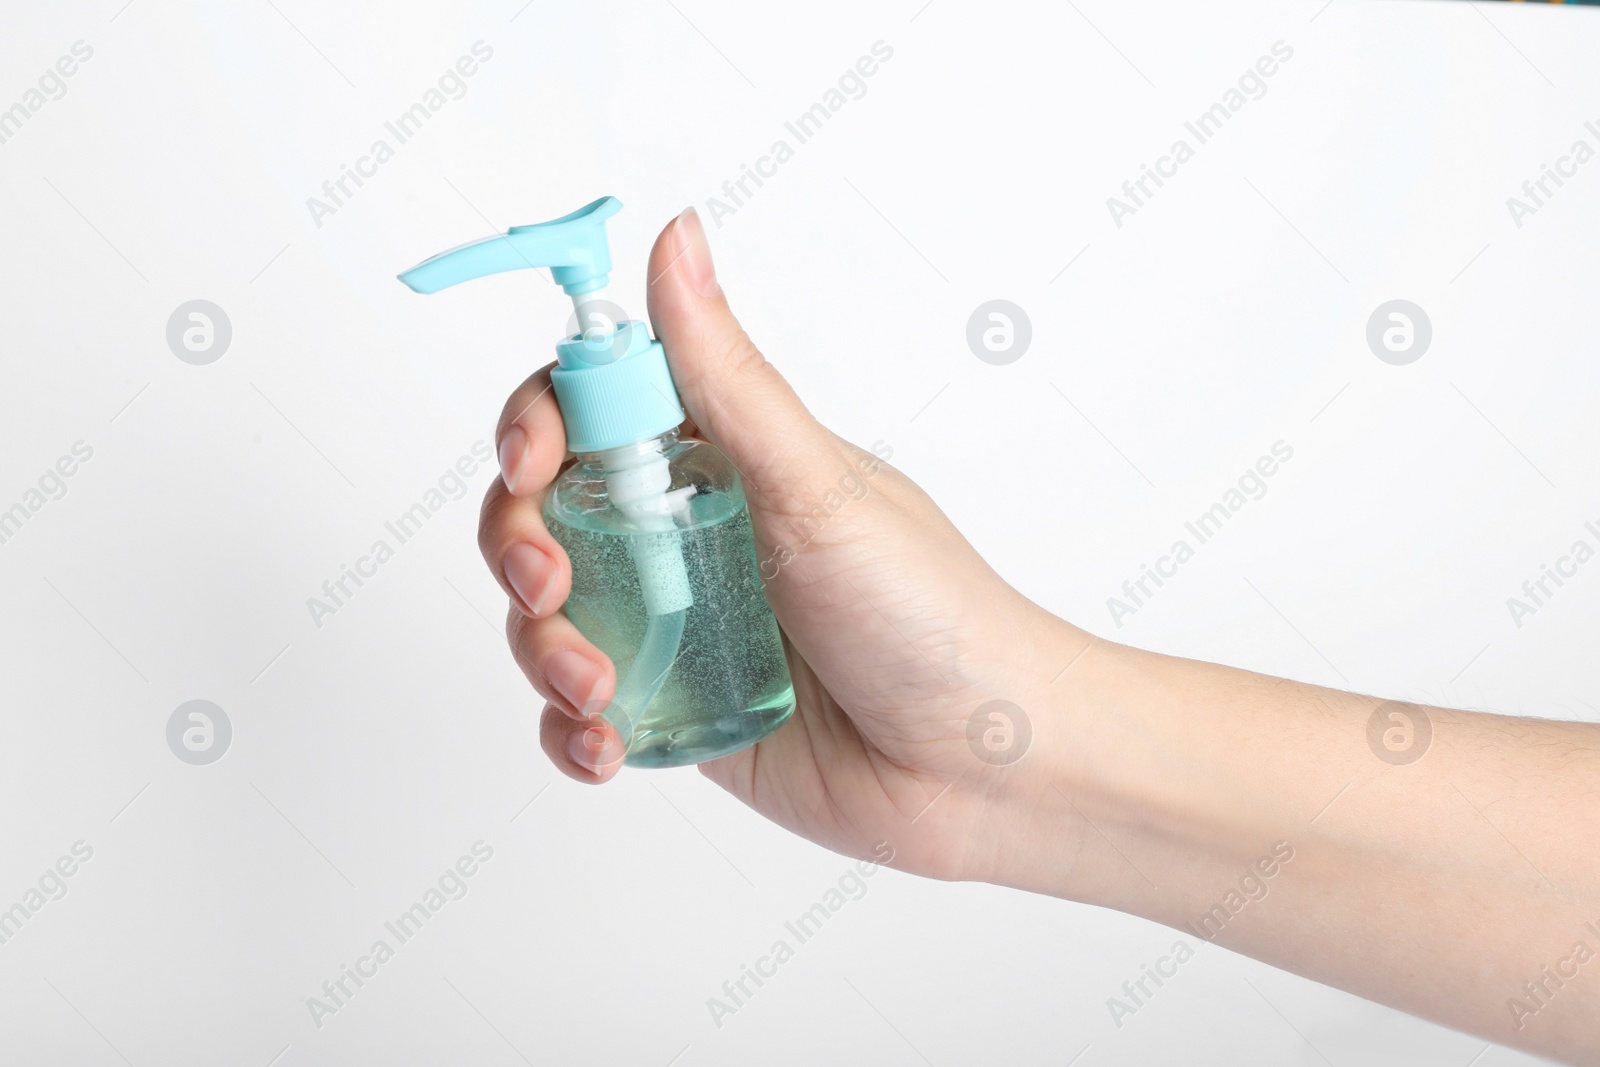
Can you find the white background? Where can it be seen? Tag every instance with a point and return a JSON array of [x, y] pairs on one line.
[[369, 753]]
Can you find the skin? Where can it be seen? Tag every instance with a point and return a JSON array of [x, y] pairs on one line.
[[1456, 886]]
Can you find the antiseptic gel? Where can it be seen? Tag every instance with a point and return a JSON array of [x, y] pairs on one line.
[[664, 572]]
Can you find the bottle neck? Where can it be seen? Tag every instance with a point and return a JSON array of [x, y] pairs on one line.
[[628, 457], [638, 480]]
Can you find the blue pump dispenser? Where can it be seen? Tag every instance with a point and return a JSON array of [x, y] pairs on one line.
[[707, 675], [612, 384]]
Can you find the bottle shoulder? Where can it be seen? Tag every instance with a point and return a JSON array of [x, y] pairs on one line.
[[700, 475]]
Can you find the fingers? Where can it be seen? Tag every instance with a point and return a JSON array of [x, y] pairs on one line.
[[562, 664], [565, 667], [588, 752], [528, 563], [738, 400], [530, 438], [579, 681], [531, 442]]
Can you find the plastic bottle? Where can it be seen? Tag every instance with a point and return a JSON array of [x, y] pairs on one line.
[[664, 572]]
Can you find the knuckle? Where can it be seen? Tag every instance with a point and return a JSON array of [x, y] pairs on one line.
[[522, 399], [489, 521], [740, 356]]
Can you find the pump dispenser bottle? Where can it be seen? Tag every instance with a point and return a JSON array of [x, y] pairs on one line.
[[664, 572]]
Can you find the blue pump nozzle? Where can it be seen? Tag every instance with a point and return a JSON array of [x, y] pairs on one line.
[[574, 247], [613, 383]]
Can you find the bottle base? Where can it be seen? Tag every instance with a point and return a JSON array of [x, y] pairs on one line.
[[696, 742]]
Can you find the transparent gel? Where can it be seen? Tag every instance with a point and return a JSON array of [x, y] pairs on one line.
[[728, 684]]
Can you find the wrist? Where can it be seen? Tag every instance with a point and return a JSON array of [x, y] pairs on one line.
[[1033, 830], [1118, 780], [1152, 777]]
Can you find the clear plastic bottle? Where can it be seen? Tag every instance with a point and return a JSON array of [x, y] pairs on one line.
[[691, 685], [664, 572]]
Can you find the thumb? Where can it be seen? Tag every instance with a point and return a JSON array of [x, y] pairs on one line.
[[738, 400]]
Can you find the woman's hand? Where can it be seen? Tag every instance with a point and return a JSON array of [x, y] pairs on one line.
[[890, 616], [1159, 786]]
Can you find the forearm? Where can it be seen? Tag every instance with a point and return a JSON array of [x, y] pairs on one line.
[[1254, 812]]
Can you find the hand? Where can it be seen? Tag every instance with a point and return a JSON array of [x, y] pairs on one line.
[[1155, 785], [896, 630]]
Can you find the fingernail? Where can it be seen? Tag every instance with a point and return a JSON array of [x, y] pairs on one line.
[[513, 448], [531, 573], [588, 748], [696, 250], [573, 676]]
